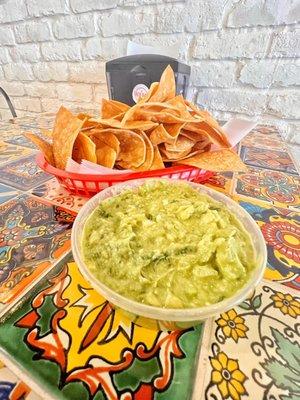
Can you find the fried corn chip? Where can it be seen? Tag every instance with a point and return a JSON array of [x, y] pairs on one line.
[[84, 149], [168, 155], [113, 123], [153, 88], [182, 144], [167, 88], [46, 133], [106, 156], [157, 159], [132, 149], [149, 153], [112, 108], [161, 135], [43, 146], [106, 136], [218, 161], [65, 132]]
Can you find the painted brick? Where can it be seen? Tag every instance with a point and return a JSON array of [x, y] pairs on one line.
[[72, 27], [170, 19], [4, 55], [232, 44], [286, 44], [285, 104], [74, 92], [100, 92], [61, 50], [39, 8], [50, 105], [25, 52], [25, 104], [213, 74], [13, 88], [6, 35], [267, 73], [124, 22], [32, 31], [232, 100], [263, 12], [87, 72], [18, 72], [205, 16], [41, 89], [14, 10], [51, 71], [79, 6]]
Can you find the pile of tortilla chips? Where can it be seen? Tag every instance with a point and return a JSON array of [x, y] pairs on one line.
[[161, 130]]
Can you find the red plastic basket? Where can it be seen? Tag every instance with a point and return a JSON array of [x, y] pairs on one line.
[[88, 185]]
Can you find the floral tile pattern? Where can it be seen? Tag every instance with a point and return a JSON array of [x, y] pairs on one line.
[[262, 141], [9, 152], [56, 194], [221, 182], [23, 173], [271, 159], [7, 193], [33, 235], [270, 132], [11, 388], [281, 230], [75, 346], [252, 351], [276, 187]]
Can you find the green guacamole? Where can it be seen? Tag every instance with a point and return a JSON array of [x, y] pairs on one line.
[[167, 245]]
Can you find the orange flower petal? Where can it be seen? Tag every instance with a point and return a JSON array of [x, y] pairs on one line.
[[221, 322], [233, 392], [291, 312], [295, 304], [227, 331], [223, 388], [288, 297], [280, 295], [223, 359], [216, 377], [234, 335], [238, 386], [232, 314], [241, 333], [232, 365], [238, 375], [225, 316], [216, 364], [242, 327], [239, 320], [278, 304], [284, 309]]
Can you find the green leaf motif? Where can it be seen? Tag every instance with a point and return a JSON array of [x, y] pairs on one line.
[[289, 351], [245, 306], [282, 376], [256, 302]]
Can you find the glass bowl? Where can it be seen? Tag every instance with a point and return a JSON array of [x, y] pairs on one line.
[[167, 318]]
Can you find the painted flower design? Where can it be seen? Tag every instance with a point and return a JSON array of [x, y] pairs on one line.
[[10, 236], [232, 325], [286, 303], [228, 377], [284, 237]]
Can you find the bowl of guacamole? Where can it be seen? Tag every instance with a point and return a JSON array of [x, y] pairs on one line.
[[168, 250]]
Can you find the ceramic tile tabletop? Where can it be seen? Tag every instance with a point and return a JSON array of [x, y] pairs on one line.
[[59, 339]]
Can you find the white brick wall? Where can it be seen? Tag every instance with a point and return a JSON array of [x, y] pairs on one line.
[[245, 54]]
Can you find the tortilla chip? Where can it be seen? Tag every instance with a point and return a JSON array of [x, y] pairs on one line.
[[160, 135], [132, 149], [83, 116], [157, 159], [179, 103], [107, 137], [84, 149], [153, 88], [106, 156], [149, 153], [113, 123], [112, 108], [43, 146], [167, 88], [66, 130], [174, 129], [182, 144], [218, 161], [168, 155]]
